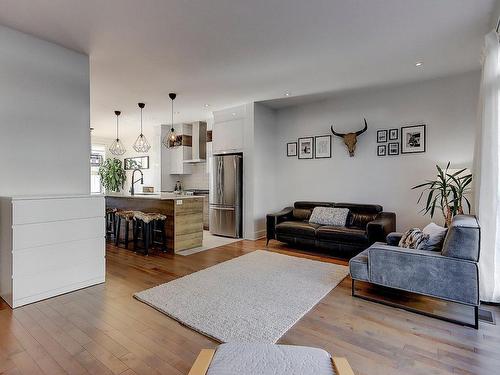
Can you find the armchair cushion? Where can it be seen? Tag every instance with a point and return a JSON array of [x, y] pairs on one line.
[[425, 272]]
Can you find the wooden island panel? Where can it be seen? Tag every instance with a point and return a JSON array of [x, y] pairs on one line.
[[184, 224]]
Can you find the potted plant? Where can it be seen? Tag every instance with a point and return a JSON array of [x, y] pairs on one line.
[[446, 193], [112, 175]]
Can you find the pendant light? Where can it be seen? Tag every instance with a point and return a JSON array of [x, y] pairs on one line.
[[117, 147], [171, 137], [141, 144]]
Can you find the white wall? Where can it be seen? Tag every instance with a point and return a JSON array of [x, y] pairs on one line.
[[44, 117], [448, 106], [264, 166]]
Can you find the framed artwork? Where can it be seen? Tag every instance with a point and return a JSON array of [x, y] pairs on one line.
[[381, 150], [139, 162], [381, 136], [305, 146], [323, 146], [393, 134], [95, 160], [393, 148], [412, 139], [291, 149]]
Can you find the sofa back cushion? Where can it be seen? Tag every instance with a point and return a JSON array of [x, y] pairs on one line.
[[309, 205], [462, 238], [335, 217], [360, 214], [301, 214]]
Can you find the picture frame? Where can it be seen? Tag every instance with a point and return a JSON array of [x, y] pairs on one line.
[[393, 134], [291, 149], [138, 162], [381, 136], [393, 148], [381, 150], [323, 147], [95, 160], [305, 147], [413, 139]]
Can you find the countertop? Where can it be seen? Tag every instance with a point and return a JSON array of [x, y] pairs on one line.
[[158, 196], [55, 196]]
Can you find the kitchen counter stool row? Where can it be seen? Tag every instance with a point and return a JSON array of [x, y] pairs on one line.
[[148, 229]]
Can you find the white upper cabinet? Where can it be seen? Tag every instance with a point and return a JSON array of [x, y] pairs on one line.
[[177, 157], [228, 130]]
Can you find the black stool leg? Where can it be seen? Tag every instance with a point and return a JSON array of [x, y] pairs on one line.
[[117, 236], [163, 236], [126, 233]]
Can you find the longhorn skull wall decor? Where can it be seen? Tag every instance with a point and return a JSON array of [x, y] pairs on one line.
[[350, 139]]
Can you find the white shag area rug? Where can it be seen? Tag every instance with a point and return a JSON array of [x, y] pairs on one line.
[[256, 297]]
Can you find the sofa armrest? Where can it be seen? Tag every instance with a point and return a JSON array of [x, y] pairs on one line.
[[274, 219], [393, 238], [378, 229], [424, 272]]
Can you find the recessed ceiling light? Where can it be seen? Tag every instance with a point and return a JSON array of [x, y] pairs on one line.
[[419, 63], [234, 113], [288, 93], [207, 105]]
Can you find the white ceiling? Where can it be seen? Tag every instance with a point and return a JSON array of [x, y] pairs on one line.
[[228, 52]]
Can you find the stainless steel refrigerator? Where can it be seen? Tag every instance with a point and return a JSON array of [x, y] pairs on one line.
[[226, 195]]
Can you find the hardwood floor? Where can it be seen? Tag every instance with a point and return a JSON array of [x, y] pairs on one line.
[[103, 330]]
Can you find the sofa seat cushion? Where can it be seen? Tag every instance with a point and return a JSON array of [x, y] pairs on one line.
[[297, 228], [256, 358], [358, 266], [341, 234]]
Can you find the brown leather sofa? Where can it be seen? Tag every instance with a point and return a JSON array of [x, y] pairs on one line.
[[366, 224]]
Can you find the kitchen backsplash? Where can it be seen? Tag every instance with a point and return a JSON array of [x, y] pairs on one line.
[[198, 179]]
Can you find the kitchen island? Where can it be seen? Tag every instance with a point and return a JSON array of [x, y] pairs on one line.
[[184, 224]]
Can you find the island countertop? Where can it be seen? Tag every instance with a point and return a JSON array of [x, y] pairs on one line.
[[184, 224], [159, 196]]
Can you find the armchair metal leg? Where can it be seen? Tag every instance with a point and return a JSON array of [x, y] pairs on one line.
[[475, 325]]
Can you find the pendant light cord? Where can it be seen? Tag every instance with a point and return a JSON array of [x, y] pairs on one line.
[[172, 114], [141, 121], [117, 127]]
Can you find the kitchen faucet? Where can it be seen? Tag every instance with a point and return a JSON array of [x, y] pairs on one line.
[[133, 182]]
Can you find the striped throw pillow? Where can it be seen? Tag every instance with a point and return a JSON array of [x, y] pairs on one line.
[[413, 238]]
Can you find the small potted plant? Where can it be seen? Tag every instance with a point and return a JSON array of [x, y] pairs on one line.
[[446, 193], [112, 175]]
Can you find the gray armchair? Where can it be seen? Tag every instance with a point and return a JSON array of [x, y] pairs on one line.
[[451, 274]]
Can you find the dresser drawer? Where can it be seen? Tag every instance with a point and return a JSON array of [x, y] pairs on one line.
[[56, 258], [31, 211], [45, 284], [53, 232]]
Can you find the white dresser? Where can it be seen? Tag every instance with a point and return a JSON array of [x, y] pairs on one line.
[[50, 245]]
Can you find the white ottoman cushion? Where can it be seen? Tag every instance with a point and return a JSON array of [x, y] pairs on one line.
[[269, 359]]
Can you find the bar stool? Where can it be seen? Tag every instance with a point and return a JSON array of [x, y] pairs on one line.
[[110, 222], [128, 216], [147, 226]]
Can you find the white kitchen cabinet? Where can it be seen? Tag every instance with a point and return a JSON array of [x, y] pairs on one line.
[[50, 246], [177, 156], [227, 136]]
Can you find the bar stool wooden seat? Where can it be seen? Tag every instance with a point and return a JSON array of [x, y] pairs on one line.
[[110, 222], [147, 227], [128, 217]]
